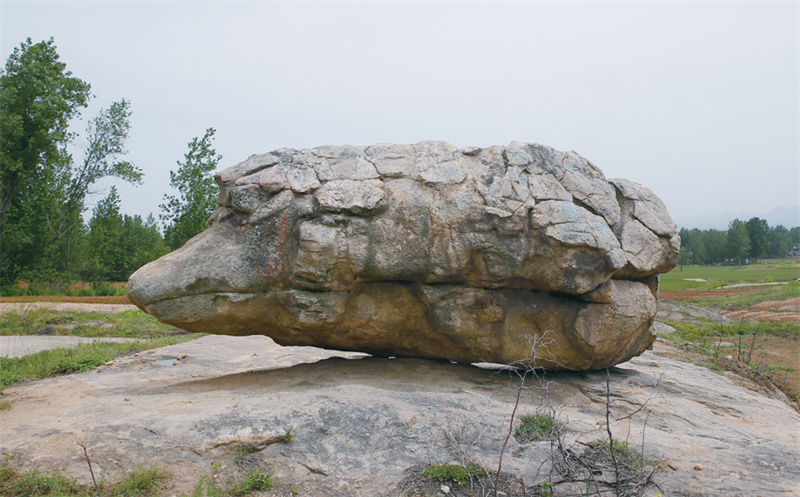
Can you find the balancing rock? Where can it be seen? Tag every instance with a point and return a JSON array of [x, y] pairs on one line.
[[519, 255]]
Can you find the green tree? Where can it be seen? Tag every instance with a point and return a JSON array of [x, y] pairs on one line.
[[104, 258], [105, 135], [780, 242], [758, 232], [140, 242], [738, 240], [186, 214], [38, 97], [43, 190]]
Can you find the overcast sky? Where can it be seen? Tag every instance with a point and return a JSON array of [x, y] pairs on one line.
[[698, 101]]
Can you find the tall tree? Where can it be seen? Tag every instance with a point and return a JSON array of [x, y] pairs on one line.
[[105, 144], [738, 242], [43, 190], [140, 242], [780, 241], [186, 214], [38, 97], [105, 229], [758, 232]]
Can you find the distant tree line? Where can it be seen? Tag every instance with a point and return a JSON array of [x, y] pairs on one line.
[[44, 190], [744, 241]]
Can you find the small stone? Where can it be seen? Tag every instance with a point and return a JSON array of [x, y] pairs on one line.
[[698, 467], [445, 489], [181, 357]]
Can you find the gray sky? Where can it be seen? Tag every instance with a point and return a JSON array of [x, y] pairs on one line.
[[698, 101]]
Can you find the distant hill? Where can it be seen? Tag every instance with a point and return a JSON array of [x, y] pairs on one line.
[[789, 217]]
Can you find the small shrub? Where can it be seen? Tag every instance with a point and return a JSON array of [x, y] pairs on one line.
[[253, 481], [106, 290], [287, 437], [623, 453], [453, 472], [245, 450], [80, 364], [6, 471], [140, 481], [205, 488], [4, 404], [36, 484], [533, 426]]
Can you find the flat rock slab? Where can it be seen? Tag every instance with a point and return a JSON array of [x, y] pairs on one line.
[[359, 422], [18, 346]]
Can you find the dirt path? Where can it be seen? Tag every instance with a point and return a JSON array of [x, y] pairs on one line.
[[66, 306], [120, 299]]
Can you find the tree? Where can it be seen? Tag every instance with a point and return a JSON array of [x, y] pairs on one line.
[[738, 241], [38, 97], [140, 242], [780, 242], [187, 214], [104, 258], [106, 135], [758, 232], [43, 190]]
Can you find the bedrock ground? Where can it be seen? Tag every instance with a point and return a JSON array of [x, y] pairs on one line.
[[359, 422]]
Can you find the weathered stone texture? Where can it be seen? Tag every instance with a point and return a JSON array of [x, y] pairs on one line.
[[424, 250]]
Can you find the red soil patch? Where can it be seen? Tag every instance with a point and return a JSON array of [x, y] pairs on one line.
[[775, 304], [686, 295], [763, 316]]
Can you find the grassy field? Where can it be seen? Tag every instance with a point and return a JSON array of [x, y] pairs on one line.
[[43, 321], [760, 331], [40, 321], [718, 276]]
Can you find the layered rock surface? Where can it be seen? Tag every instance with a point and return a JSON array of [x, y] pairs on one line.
[[518, 254]]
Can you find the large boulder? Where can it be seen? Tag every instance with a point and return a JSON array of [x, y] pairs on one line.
[[519, 255]]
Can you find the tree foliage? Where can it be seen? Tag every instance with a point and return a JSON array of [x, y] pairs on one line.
[[758, 233], [38, 98], [738, 240], [103, 238], [43, 190], [750, 240], [118, 245], [186, 214]]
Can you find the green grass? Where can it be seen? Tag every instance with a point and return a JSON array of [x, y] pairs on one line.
[[141, 480], [43, 321], [78, 359], [718, 276], [740, 302], [37, 289], [623, 453], [697, 332], [252, 481], [533, 426], [454, 473]]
